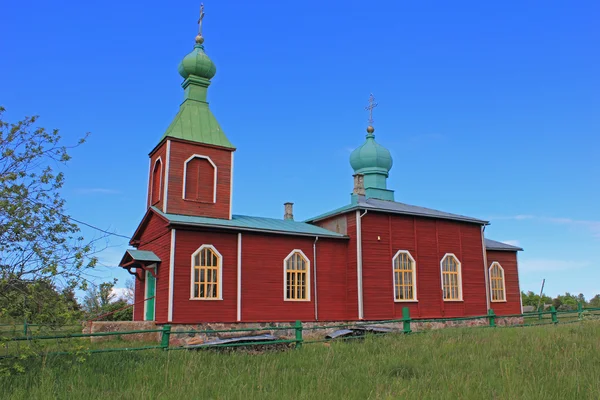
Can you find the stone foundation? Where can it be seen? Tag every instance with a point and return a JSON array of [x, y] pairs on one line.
[[121, 326], [308, 333]]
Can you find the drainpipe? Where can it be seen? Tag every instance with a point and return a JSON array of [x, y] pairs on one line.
[[359, 275], [315, 277], [485, 269]]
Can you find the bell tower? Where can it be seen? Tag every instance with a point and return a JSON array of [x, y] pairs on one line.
[[191, 168]]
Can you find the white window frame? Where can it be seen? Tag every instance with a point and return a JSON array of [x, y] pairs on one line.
[[220, 272], [414, 277], [214, 177], [160, 196], [503, 283], [460, 285], [307, 276]]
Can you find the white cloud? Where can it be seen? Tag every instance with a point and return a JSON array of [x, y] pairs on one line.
[[119, 292], [540, 264], [96, 191]]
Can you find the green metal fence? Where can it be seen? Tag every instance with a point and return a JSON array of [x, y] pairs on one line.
[[552, 316]]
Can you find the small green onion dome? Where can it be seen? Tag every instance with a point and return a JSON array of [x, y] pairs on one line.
[[371, 156], [197, 63]]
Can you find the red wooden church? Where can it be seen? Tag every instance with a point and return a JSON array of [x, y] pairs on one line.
[[197, 262]]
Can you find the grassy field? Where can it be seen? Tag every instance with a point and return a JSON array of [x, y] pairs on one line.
[[546, 362]]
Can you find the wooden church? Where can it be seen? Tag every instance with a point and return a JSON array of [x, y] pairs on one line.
[[197, 262]]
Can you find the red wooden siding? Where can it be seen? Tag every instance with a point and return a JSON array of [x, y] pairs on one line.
[[138, 298], [194, 311], [508, 261], [161, 152], [351, 277], [156, 237], [263, 278], [332, 280], [428, 241], [180, 152], [199, 180]]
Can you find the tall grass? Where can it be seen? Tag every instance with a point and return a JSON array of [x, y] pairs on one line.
[[546, 362]]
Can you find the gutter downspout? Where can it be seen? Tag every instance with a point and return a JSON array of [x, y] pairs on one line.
[[485, 269], [359, 275], [315, 277]]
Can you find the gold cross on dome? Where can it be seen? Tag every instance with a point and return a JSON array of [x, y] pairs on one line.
[[370, 108], [200, 19]]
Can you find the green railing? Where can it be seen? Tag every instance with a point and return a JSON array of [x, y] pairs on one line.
[[406, 323]]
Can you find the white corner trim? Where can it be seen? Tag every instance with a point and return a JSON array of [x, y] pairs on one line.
[[503, 283], [519, 281], [359, 282], [230, 186], [459, 267], [239, 277], [485, 271], [219, 269], [185, 163], [167, 164], [148, 194], [307, 260], [171, 276], [414, 277], [152, 188]]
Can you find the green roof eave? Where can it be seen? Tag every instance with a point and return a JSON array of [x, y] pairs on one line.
[[251, 224], [196, 123]]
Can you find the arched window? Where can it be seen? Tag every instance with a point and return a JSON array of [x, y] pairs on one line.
[[451, 278], [296, 271], [156, 185], [497, 286], [206, 273], [405, 279], [200, 179]]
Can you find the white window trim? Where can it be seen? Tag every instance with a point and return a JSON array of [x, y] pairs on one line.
[[146, 279], [307, 276], [414, 277], [214, 178], [503, 283], [460, 286], [220, 287], [160, 196]]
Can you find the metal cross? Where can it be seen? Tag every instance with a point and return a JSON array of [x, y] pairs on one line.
[[370, 108], [201, 18]]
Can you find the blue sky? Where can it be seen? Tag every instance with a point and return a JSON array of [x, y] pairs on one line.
[[490, 109]]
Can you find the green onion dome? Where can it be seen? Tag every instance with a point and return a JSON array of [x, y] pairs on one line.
[[197, 62], [371, 156]]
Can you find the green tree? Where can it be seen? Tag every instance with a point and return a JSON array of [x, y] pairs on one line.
[[532, 299], [39, 302], [101, 304], [39, 242], [595, 301]]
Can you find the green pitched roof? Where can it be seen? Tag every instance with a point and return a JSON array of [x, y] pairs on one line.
[[248, 223], [195, 122], [394, 207]]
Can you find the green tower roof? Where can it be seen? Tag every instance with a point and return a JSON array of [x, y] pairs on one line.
[[194, 121], [371, 156]]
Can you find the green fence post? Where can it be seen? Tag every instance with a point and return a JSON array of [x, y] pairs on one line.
[[580, 310], [540, 310], [554, 316], [298, 328], [406, 319], [25, 328], [166, 334], [492, 318]]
